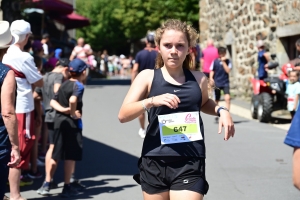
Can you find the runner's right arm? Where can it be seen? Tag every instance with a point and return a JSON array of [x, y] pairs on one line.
[[135, 100]]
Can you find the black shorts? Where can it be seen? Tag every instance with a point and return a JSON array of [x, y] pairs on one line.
[[50, 127], [67, 144], [157, 176], [218, 92]]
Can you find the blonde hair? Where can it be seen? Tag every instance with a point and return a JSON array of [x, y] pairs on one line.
[[188, 30]]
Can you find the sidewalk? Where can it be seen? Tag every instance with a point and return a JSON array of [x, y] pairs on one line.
[[241, 108]]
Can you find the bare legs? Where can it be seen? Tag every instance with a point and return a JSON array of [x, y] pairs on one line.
[[14, 184], [174, 195], [227, 100], [50, 164], [68, 169]]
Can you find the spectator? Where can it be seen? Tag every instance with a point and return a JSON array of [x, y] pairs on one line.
[[219, 74], [68, 127], [27, 76], [57, 53], [37, 48], [105, 58], [293, 92], [9, 143], [44, 42], [53, 81], [208, 56], [126, 66], [78, 51]]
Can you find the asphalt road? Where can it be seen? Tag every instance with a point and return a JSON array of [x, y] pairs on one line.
[[255, 164]]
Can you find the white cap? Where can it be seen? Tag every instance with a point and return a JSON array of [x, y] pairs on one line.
[[20, 27], [122, 56], [6, 38]]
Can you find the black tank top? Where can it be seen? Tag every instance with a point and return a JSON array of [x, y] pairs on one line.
[[190, 96]]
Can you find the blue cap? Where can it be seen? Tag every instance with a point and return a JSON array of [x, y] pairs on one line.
[[77, 65]]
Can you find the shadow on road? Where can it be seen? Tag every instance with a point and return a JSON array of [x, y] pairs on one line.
[[98, 159], [89, 192], [240, 121]]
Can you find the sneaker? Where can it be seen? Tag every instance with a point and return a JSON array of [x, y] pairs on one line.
[[69, 191], [44, 190], [40, 163], [77, 185], [142, 133], [35, 175], [25, 180], [53, 185]]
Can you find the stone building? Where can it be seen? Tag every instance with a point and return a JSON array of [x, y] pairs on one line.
[[238, 24]]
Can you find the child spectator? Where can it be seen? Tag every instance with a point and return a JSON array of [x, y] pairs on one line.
[[68, 127], [219, 75], [293, 92], [53, 81]]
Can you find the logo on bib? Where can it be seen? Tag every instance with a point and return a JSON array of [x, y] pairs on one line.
[[190, 119]]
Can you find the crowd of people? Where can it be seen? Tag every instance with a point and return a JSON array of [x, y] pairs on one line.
[[41, 103]]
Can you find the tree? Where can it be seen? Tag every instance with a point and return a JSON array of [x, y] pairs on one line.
[[104, 30], [117, 23]]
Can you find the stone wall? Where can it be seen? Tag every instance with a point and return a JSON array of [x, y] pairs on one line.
[[240, 23]]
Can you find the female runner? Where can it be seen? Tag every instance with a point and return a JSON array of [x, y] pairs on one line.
[[172, 163]]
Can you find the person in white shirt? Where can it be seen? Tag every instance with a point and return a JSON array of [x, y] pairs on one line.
[[27, 76], [79, 51], [44, 41]]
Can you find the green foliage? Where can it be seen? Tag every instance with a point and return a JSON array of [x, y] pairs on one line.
[[116, 23]]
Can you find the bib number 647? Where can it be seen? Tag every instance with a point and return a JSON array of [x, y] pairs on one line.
[[179, 129]]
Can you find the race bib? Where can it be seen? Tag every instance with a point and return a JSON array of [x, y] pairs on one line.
[[179, 127]]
